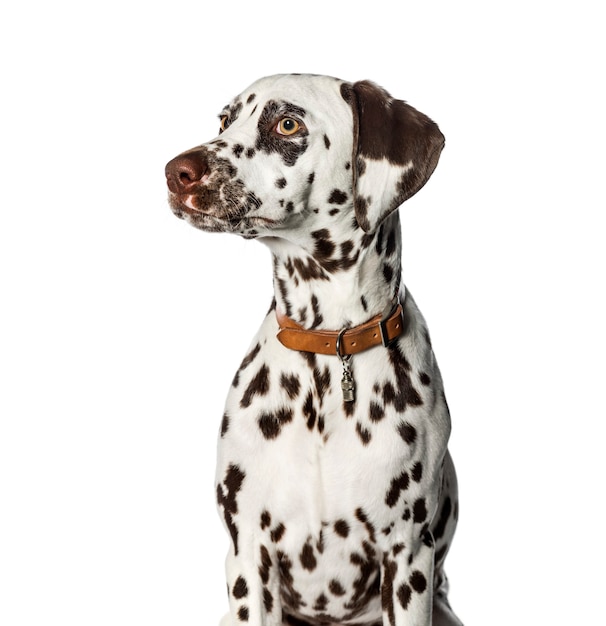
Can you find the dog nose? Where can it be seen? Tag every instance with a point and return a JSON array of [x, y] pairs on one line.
[[186, 171]]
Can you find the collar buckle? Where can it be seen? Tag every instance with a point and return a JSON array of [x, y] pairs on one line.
[[385, 340]]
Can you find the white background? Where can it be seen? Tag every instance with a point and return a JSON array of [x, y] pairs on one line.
[[114, 352]]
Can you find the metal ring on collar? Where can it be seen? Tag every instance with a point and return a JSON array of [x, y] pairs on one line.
[[343, 357]]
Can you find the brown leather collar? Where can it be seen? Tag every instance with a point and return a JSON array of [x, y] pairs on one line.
[[377, 331]]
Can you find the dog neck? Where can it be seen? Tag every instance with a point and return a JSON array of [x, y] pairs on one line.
[[334, 278]]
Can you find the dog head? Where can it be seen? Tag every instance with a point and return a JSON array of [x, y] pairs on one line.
[[297, 151]]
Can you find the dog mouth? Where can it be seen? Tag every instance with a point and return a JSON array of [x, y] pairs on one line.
[[187, 207], [211, 219], [184, 203]]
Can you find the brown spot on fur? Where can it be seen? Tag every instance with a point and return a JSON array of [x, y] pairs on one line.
[[258, 386], [363, 588], [324, 247], [346, 250], [363, 433], [310, 270], [362, 517], [277, 533], [290, 383], [417, 472], [337, 197], [398, 485], [234, 477], [318, 318], [407, 432], [248, 359], [324, 252], [310, 359], [289, 149], [320, 541], [419, 511], [367, 240], [271, 423], [341, 528], [240, 589], [336, 588], [309, 411], [243, 614], [387, 273], [224, 424], [404, 595], [268, 600], [307, 557], [389, 573], [406, 394], [321, 603], [376, 412], [322, 382], [265, 520], [418, 581], [291, 598], [265, 567]]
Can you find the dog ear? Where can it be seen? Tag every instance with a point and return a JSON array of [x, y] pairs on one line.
[[395, 150]]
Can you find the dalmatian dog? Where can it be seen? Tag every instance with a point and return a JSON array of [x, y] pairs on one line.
[[333, 475]]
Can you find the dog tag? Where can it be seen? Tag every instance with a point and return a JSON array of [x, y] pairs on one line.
[[347, 383]]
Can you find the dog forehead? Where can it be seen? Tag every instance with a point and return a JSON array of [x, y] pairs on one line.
[[315, 94]]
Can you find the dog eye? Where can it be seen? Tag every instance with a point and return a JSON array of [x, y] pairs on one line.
[[224, 122], [287, 126]]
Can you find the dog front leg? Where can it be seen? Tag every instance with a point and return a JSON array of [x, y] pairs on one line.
[[253, 586], [406, 584]]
